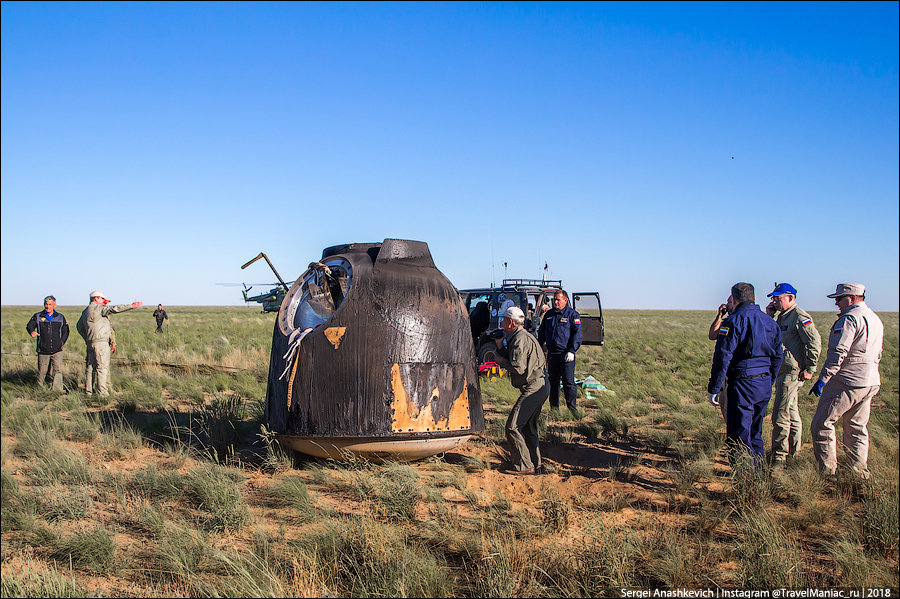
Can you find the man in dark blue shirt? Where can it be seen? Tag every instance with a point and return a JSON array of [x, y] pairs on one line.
[[560, 335], [748, 350], [51, 330]]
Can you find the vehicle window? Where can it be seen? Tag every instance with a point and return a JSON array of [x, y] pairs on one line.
[[477, 298], [586, 304]]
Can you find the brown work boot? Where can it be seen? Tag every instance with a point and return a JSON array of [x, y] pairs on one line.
[[514, 471]]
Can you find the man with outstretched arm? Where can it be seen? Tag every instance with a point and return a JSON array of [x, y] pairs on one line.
[[95, 328]]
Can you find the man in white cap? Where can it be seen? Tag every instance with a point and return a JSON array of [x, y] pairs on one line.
[[524, 360], [95, 328], [848, 381]]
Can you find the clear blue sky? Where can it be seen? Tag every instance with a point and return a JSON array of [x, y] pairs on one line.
[[654, 152]]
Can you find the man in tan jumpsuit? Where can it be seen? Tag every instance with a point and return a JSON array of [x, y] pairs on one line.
[[848, 381], [524, 360], [95, 328], [802, 344], [90, 361]]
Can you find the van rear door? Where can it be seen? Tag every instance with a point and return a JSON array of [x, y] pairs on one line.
[[587, 304]]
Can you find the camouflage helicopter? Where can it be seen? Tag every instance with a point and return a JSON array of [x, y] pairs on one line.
[[271, 300]]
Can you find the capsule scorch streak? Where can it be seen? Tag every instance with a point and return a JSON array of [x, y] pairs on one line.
[[372, 354]]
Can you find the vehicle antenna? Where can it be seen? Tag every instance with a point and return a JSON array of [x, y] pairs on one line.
[[492, 263]]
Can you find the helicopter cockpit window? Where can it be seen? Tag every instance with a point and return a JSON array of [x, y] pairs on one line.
[[315, 296]]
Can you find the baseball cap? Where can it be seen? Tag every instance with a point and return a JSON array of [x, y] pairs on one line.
[[849, 289], [97, 293], [782, 288], [515, 312]]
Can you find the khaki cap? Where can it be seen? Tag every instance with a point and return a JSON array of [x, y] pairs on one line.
[[97, 293], [849, 289]]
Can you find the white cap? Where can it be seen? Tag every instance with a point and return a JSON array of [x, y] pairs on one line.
[[515, 313], [97, 293]]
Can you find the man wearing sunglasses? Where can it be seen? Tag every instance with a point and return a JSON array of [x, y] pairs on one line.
[[848, 381]]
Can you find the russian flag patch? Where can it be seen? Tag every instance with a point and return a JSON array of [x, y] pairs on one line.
[[806, 322], [577, 321], [724, 331], [836, 331]]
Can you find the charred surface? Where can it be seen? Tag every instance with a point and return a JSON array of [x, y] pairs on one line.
[[394, 360]]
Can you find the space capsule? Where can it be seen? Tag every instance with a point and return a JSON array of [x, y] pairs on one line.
[[372, 355]]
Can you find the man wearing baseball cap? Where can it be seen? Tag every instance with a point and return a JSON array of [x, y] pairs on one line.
[[802, 344], [95, 328], [524, 360], [848, 381]]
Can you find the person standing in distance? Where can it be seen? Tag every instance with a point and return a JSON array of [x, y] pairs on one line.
[[848, 381], [801, 344], [748, 350], [52, 331], [160, 315], [95, 327], [524, 360], [560, 335]]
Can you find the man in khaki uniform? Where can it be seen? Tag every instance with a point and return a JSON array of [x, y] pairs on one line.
[[90, 360], [524, 360], [95, 328], [848, 381], [802, 344]]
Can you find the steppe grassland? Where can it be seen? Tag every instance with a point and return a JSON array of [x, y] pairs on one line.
[[170, 488]]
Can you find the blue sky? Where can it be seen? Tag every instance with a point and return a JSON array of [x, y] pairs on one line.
[[654, 152]]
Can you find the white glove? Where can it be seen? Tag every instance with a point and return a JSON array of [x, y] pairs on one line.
[[570, 357], [713, 398]]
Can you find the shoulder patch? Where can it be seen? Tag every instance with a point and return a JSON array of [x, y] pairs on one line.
[[806, 322], [577, 321], [724, 331], [836, 331]]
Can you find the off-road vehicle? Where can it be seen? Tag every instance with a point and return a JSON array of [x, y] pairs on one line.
[[486, 305]]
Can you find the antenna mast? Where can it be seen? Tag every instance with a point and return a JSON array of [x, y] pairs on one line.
[[492, 263]]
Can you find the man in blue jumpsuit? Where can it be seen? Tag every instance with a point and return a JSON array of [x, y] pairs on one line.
[[748, 350], [560, 335]]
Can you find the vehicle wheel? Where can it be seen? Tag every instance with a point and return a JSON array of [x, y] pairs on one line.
[[487, 353]]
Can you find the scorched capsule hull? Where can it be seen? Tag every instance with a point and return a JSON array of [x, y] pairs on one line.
[[372, 354]]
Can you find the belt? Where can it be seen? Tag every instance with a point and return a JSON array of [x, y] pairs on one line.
[[751, 376]]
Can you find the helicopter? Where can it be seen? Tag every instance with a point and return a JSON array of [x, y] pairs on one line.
[[271, 300]]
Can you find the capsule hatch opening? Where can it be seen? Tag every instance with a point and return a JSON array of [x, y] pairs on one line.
[[315, 296]]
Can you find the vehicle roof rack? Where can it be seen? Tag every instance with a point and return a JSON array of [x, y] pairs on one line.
[[553, 283]]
